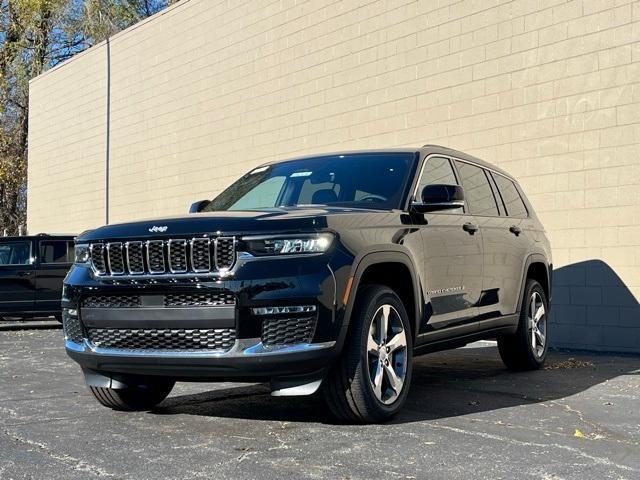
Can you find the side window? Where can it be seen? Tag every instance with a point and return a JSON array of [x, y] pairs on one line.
[[511, 198], [477, 191], [55, 251], [263, 196], [15, 253], [438, 170]]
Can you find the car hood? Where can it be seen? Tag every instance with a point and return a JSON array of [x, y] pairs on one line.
[[277, 220]]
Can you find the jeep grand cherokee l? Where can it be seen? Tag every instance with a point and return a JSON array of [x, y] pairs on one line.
[[327, 272]]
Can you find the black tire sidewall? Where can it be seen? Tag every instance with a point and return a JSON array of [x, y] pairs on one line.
[[381, 296], [531, 287]]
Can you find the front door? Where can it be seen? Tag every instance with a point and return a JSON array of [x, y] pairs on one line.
[[56, 257], [17, 277], [452, 261]]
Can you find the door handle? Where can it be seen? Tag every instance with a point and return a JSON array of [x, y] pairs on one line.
[[24, 274], [515, 230], [470, 228]]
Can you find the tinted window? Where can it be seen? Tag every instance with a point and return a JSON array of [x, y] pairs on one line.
[[15, 253], [510, 196], [477, 191], [437, 170], [365, 180], [262, 196], [56, 251]]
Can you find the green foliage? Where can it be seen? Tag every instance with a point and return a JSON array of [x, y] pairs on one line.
[[34, 36]]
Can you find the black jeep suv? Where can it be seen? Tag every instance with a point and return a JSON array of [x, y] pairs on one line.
[[31, 272], [327, 272]]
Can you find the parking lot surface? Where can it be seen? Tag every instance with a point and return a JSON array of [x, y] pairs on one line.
[[466, 417]]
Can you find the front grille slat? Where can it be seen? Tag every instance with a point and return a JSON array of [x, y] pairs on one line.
[[218, 339], [135, 257], [164, 257], [155, 256], [177, 253], [115, 258], [225, 252]]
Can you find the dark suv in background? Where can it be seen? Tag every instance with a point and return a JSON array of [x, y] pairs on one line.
[[31, 272], [328, 272]]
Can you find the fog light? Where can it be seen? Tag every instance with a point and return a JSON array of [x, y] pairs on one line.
[[283, 310]]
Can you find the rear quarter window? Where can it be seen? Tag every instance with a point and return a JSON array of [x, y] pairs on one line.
[[511, 197]]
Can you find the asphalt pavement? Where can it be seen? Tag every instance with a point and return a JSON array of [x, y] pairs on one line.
[[466, 418]]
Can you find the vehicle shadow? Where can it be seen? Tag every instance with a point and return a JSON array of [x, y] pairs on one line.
[[593, 309], [445, 384]]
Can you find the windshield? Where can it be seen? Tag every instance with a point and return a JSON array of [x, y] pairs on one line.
[[361, 180]]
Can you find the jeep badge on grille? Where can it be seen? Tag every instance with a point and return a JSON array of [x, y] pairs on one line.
[[156, 229]]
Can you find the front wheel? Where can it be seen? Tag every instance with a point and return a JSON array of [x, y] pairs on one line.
[[370, 381], [527, 348], [136, 396]]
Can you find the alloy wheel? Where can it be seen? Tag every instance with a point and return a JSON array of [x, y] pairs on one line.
[[537, 317], [387, 354]]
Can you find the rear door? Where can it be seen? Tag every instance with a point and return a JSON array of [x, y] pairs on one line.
[[55, 259], [452, 260], [17, 276], [507, 242]]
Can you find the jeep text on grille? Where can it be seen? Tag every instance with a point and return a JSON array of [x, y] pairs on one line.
[[318, 273]]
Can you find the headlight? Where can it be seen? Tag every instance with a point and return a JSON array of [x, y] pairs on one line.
[[294, 245], [82, 254]]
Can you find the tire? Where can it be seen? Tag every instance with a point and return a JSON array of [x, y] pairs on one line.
[[517, 350], [349, 389], [135, 397]]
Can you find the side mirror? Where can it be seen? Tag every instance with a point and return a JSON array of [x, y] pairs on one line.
[[439, 197], [199, 206]]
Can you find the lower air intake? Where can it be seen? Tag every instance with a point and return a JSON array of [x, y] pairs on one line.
[[287, 331], [219, 339]]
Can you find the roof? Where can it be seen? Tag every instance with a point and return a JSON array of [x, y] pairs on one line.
[[424, 150]]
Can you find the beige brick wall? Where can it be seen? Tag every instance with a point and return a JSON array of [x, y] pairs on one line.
[[548, 90]]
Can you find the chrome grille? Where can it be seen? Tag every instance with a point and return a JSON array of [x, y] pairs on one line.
[[157, 257], [97, 258], [135, 257], [225, 252], [177, 253], [116, 260], [219, 339], [201, 254], [288, 331]]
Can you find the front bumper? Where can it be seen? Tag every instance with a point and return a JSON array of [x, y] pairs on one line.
[[264, 283], [247, 360]]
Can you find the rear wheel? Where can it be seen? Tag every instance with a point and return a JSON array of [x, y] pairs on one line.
[[370, 381], [138, 396], [527, 348]]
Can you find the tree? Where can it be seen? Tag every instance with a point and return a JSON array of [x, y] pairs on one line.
[[36, 35]]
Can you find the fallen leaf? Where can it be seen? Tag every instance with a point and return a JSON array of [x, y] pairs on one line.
[[578, 434]]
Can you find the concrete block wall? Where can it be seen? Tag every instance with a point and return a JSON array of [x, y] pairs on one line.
[[204, 91]]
